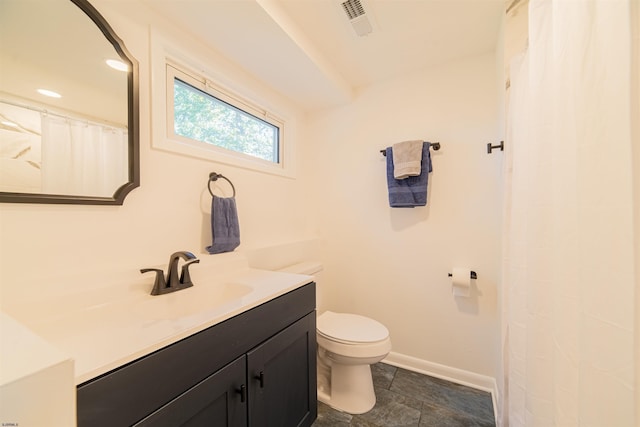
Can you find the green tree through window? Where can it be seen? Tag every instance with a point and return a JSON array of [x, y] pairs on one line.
[[203, 117]]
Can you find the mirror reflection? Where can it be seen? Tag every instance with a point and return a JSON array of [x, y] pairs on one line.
[[65, 105]]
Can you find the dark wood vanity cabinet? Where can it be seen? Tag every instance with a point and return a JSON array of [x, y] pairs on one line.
[[213, 402], [255, 369], [280, 384]]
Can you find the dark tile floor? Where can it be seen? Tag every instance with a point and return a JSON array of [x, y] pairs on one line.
[[405, 398]]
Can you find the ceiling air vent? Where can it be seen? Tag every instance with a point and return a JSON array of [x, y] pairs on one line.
[[357, 16]]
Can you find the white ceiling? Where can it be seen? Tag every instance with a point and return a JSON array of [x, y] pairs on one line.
[[308, 50], [54, 45]]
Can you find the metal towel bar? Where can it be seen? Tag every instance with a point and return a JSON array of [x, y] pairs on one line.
[[434, 145]]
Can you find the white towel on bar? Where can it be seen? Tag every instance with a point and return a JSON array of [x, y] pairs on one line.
[[407, 159]]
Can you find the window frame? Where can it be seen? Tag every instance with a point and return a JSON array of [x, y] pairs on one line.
[[229, 78], [176, 71]]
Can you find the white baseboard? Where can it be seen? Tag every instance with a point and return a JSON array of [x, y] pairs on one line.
[[458, 376]]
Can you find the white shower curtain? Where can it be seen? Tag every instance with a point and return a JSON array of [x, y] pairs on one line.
[[81, 158], [569, 300]]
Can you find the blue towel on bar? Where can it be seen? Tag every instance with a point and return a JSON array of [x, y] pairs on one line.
[[412, 191], [224, 225]]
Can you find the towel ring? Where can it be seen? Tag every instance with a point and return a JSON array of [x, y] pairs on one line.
[[213, 176]]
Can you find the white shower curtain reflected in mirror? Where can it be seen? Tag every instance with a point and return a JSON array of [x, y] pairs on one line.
[[569, 302], [82, 158]]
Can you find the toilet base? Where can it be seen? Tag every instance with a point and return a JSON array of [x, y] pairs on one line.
[[351, 389]]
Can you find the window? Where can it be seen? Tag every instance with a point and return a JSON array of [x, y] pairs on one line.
[[200, 113]]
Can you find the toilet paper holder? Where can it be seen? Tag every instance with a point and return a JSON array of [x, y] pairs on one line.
[[473, 275]]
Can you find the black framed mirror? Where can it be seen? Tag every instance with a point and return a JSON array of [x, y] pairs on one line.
[[69, 123]]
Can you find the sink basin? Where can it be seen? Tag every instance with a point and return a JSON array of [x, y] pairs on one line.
[[108, 327], [192, 301]]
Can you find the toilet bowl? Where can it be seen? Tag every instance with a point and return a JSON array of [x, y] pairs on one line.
[[348, 344]]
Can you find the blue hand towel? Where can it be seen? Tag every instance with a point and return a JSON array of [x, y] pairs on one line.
[[411, 191], [224, 225]]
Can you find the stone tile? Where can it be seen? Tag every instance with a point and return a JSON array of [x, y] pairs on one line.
[[387, 397], [382, 375], [329, 417], [437, 416], [392, 410], [409, 399], [434, 391], [359, 422]]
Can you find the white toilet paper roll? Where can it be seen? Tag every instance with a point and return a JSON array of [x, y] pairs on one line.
[[461, 282]]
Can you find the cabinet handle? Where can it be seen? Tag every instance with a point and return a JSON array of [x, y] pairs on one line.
[[260, 377], [243, 393]]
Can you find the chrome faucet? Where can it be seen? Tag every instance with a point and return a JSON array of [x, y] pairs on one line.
[[172, 282]]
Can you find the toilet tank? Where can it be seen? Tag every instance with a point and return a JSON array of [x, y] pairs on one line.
[[310, 268]]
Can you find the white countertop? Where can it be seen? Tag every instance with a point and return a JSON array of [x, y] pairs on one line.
[[36, 379], [111, 330], [23, 352]]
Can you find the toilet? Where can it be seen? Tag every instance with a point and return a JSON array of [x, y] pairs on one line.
[[348, 344]]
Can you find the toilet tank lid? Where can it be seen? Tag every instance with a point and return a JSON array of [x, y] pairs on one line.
[[306, 267]]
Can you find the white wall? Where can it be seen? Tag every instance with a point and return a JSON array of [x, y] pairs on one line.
[[392, 264], [52, 249]]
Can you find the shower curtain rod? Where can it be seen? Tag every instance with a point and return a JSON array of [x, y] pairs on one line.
[[63, 116]]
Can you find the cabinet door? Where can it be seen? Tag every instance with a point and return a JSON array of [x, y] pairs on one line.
[[282, 377], [218, 401]]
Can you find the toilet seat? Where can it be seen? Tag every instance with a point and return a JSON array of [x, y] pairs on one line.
[[346, 328]]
